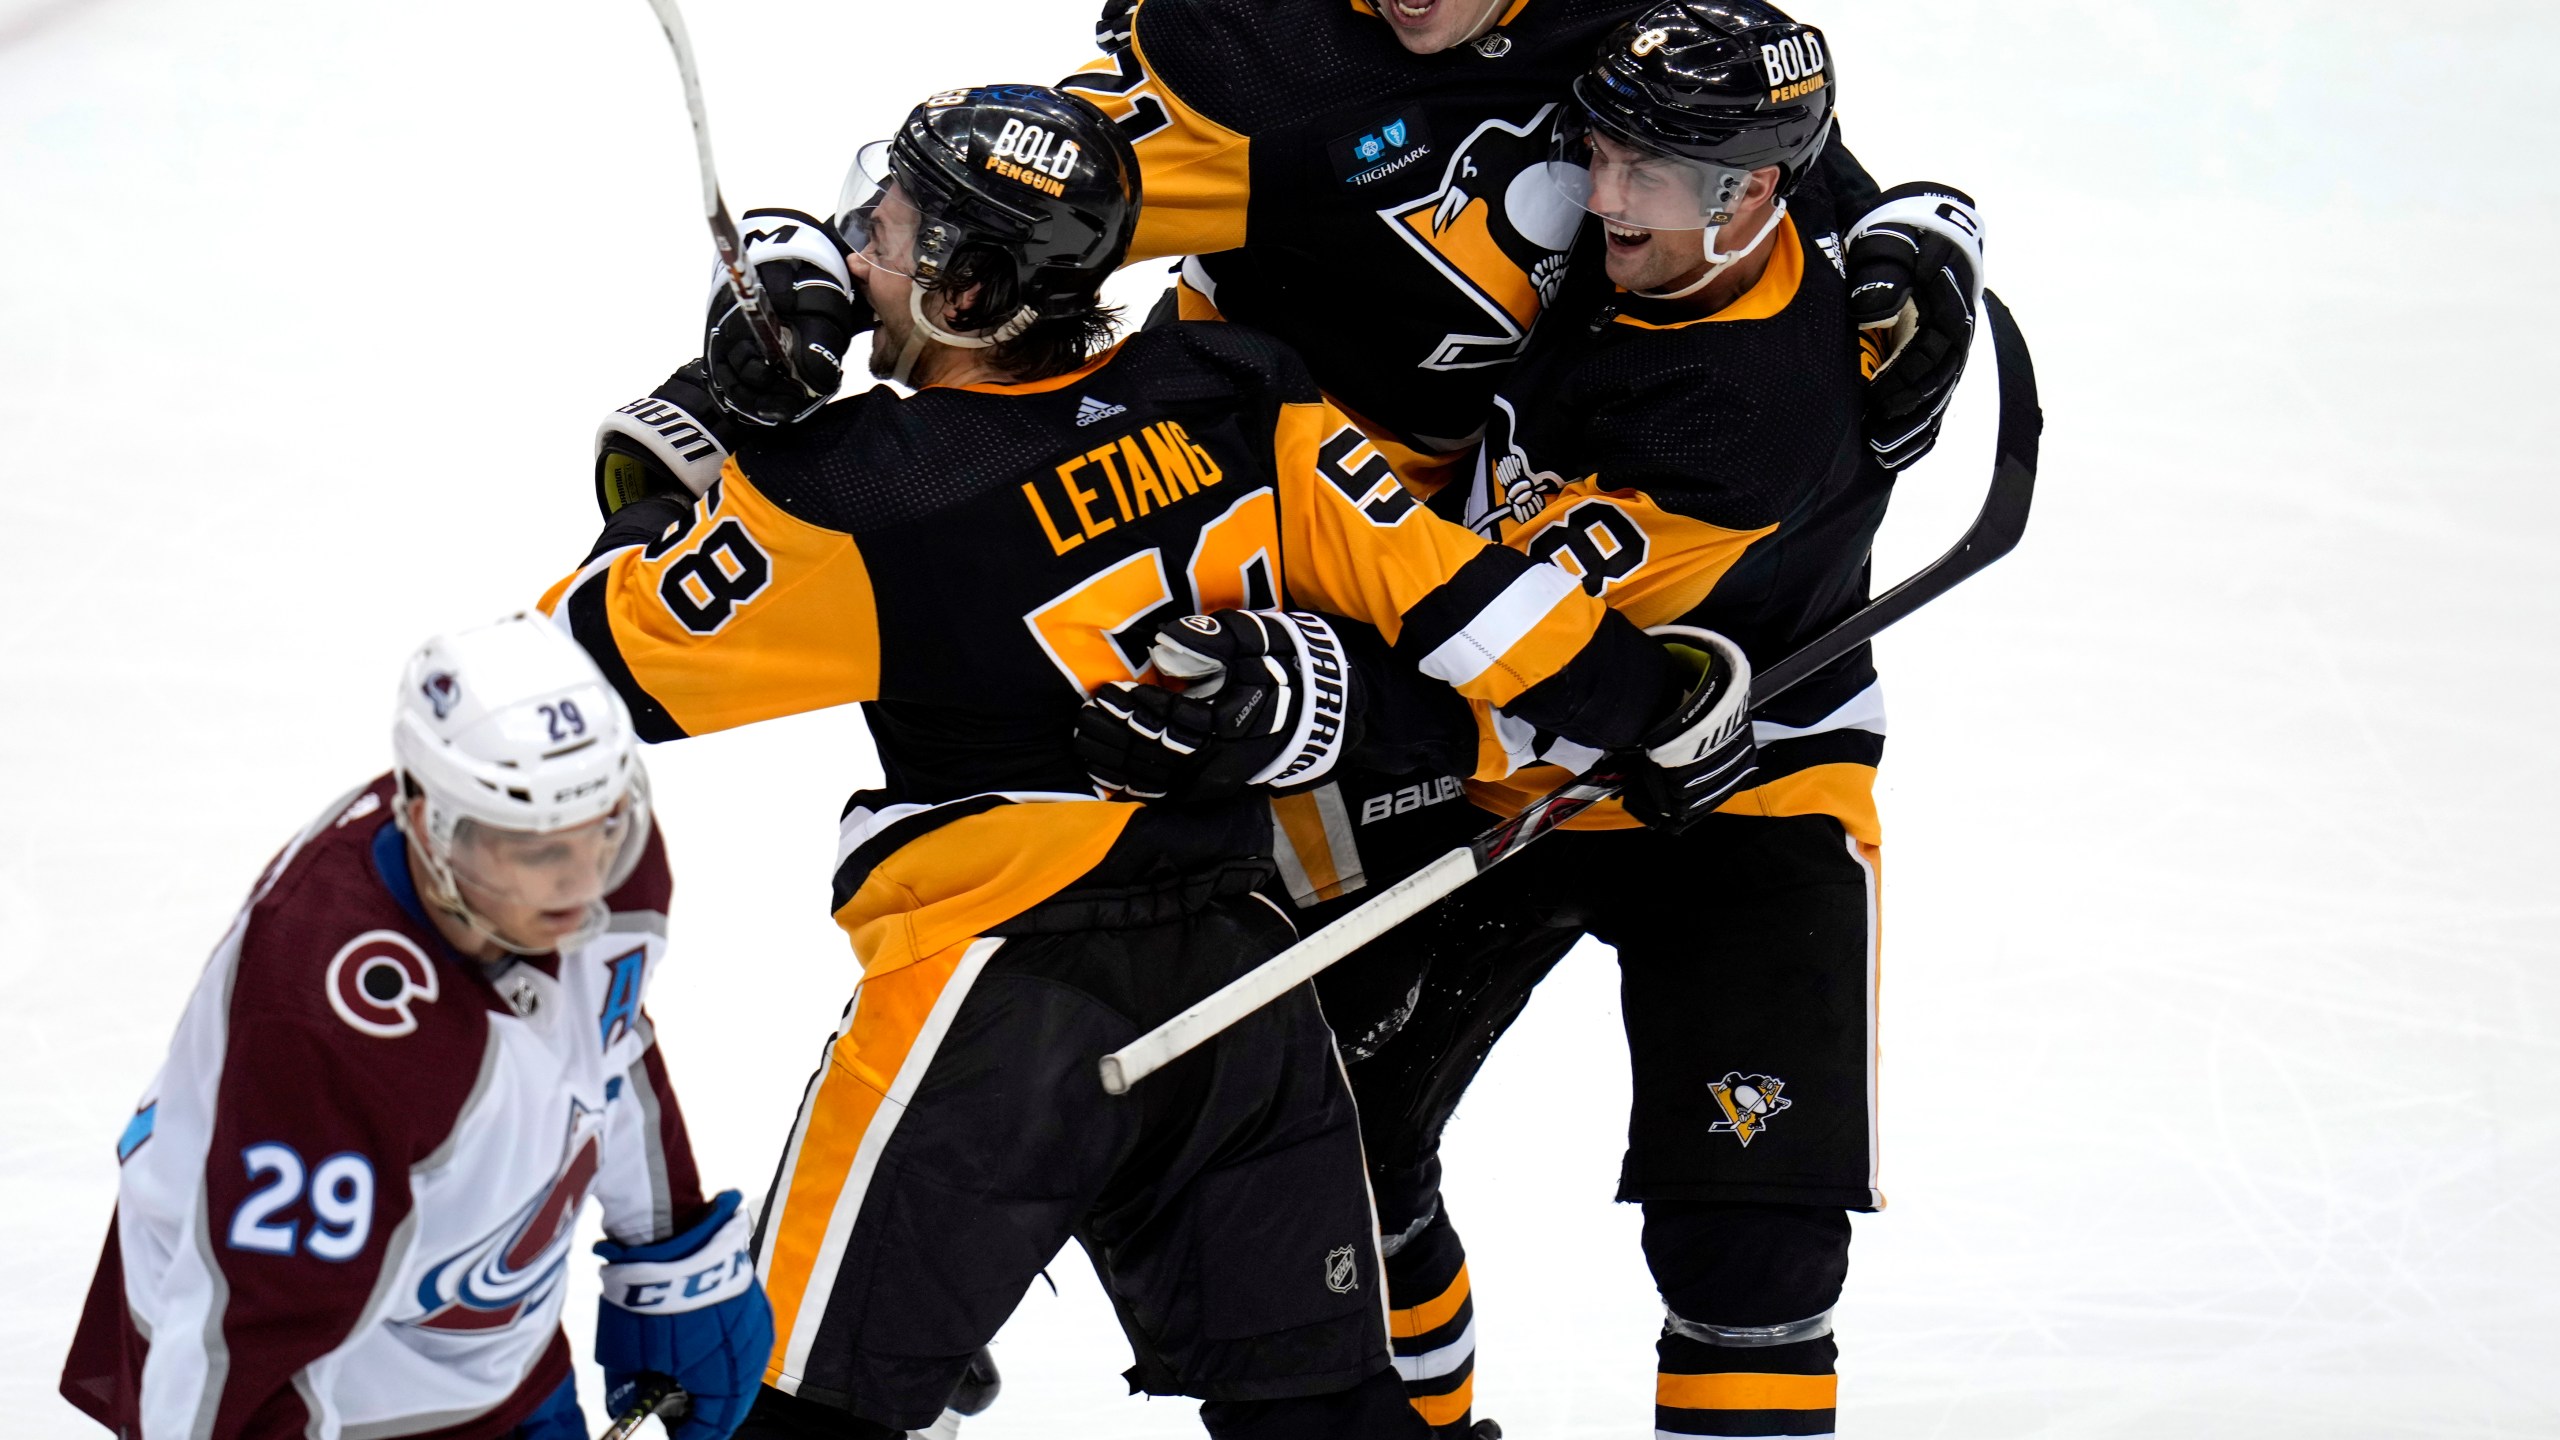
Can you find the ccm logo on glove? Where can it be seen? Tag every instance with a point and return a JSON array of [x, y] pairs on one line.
[[705, 1286]]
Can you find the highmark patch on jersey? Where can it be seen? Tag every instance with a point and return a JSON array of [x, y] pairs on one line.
[[1382, 149]]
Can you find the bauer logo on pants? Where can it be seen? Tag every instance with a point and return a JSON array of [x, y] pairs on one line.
[[1342, 1271], [1749, 1103]]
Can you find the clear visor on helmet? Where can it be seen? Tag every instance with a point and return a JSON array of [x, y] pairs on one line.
[[534, 890], [874, 216], [1640, 189]]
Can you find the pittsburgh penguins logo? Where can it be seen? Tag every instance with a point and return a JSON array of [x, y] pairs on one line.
[[1496, 229], [376, 981], [1749, 1103], [1510, 488]]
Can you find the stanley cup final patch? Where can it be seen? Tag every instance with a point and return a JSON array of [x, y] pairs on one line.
[[1749, 1103]]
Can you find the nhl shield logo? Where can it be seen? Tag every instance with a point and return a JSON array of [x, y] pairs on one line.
[[1342, 1271], [1749, 1103]]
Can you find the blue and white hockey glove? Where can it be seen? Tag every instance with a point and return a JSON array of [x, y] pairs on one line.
[[688, 1308], [1915, 284]]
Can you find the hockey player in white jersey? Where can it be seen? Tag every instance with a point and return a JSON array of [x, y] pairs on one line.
[[346, 1203]]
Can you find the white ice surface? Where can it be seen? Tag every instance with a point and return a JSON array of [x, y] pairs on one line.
[[2222, 1016]]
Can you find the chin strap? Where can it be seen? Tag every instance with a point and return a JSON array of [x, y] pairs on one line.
[[1021, 320], [1716, 262]]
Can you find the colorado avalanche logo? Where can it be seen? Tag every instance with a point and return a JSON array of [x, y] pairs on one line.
[[511, 1273], [443, 692], [376, 981]]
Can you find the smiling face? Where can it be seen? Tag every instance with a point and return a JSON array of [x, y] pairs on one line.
[[1634, 192], [1427, 27]]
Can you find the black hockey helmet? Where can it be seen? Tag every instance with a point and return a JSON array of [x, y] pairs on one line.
[[1040, 177], [1726, 85]]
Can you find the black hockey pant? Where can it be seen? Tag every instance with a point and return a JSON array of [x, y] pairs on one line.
[[957, 1135], [1746, 948]]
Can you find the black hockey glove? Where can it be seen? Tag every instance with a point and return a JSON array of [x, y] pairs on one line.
[[1266, 700], [669, 442], [801, 265], [1915, 282], [1702, 754]]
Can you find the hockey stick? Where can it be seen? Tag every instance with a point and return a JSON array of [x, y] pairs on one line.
[[650, 1395], [724, 231], [1994, 533]]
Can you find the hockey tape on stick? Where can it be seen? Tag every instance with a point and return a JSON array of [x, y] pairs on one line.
[[715, 210], [650, 1395], [1995, 532]]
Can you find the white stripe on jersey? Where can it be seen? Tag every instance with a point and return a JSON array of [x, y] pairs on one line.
[[1502, 623]]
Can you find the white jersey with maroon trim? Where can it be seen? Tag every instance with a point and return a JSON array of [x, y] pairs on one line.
[[347, 1201]]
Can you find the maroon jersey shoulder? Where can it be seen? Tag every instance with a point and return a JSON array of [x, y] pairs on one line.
[[334, 974], [652, 884]]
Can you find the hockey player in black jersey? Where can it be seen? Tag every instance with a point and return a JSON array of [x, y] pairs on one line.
[[1363, 179], [970, 562], [1682, 434]]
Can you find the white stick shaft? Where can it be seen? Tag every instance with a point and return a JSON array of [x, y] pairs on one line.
[[672, 21], [1286, 971]]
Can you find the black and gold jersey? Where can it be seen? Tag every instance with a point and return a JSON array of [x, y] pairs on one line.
[[1385, 213], [972, 562], [1708, 470]]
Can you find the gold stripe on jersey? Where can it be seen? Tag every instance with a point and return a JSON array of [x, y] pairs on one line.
[[1771, 293], [1313, 842], [753, 614], [1745, 1390], [967, 876], [1843, 790], [1354, 548], [1679, 559], [1194, 173], [1423, 472], [887, 1042]]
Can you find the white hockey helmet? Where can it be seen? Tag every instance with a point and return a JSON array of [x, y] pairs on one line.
[[508, 729]]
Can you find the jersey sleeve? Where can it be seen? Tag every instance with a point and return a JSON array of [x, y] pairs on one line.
[[305, 1184], [738, 612], [1194, 172], [1649, 563], [1487, 621], [646, 1183]]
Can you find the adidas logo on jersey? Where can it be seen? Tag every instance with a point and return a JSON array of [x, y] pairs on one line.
[[1092, 410]]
